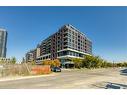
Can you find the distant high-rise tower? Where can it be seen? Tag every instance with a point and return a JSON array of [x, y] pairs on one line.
[[3, 42]]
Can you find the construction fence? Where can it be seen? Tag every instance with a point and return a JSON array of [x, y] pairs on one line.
[[23, 70]]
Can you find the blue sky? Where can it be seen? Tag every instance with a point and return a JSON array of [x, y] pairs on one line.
[[105, 26]]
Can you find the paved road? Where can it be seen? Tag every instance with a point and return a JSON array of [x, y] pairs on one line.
[[68, 79]]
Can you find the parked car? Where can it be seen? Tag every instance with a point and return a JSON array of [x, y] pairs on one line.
[[56, 69]]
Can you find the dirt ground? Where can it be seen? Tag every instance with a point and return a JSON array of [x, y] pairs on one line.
[[111, 78]]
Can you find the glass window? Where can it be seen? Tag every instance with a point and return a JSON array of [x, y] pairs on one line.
[[69, 40], [70, 53], [64, 53]]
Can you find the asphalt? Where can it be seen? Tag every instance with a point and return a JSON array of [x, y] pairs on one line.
[[68, 79]]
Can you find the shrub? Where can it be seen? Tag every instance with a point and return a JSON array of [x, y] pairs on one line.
[[52, 63], [77, 62]]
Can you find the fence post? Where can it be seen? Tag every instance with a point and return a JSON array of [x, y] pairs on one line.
[[28, 69]]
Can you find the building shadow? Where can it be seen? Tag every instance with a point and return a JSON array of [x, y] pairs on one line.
[[123, 72], [115, 86]]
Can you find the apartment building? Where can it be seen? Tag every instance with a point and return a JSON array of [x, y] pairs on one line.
[[67, 43], [31, 55]]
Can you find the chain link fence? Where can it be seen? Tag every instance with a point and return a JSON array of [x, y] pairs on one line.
[[14, 70]]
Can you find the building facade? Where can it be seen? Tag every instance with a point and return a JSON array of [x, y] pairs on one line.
[[3, 43], [67, 43], [31, 55]]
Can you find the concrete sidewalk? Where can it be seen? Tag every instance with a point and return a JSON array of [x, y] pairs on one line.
[[10, 78]]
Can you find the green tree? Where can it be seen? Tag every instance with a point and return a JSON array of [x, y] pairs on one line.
[[33, 62], [57, 62], [53, 64], [104, 64], [46, 62], [88, 61], [119, 64], [1, 61], [125, 64], [98, 62], [13, 60], [94, 62], [77, 62]]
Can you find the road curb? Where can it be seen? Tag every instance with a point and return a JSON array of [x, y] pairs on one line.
[[25, 77]]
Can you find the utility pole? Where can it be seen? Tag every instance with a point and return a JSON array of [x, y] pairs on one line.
[[113, 64]]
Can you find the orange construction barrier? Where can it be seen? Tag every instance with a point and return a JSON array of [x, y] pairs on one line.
[[41, 69]]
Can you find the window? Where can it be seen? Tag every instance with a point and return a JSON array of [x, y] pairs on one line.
[[73, 37], [46, 57], [70, 53], [75, 34], [64, 53], [69, 40], [76, 42], [65, 47], [73, 45], [80, 55], [77, 54], [65, 35], [58, 54], [69, 44], [68, 33]]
